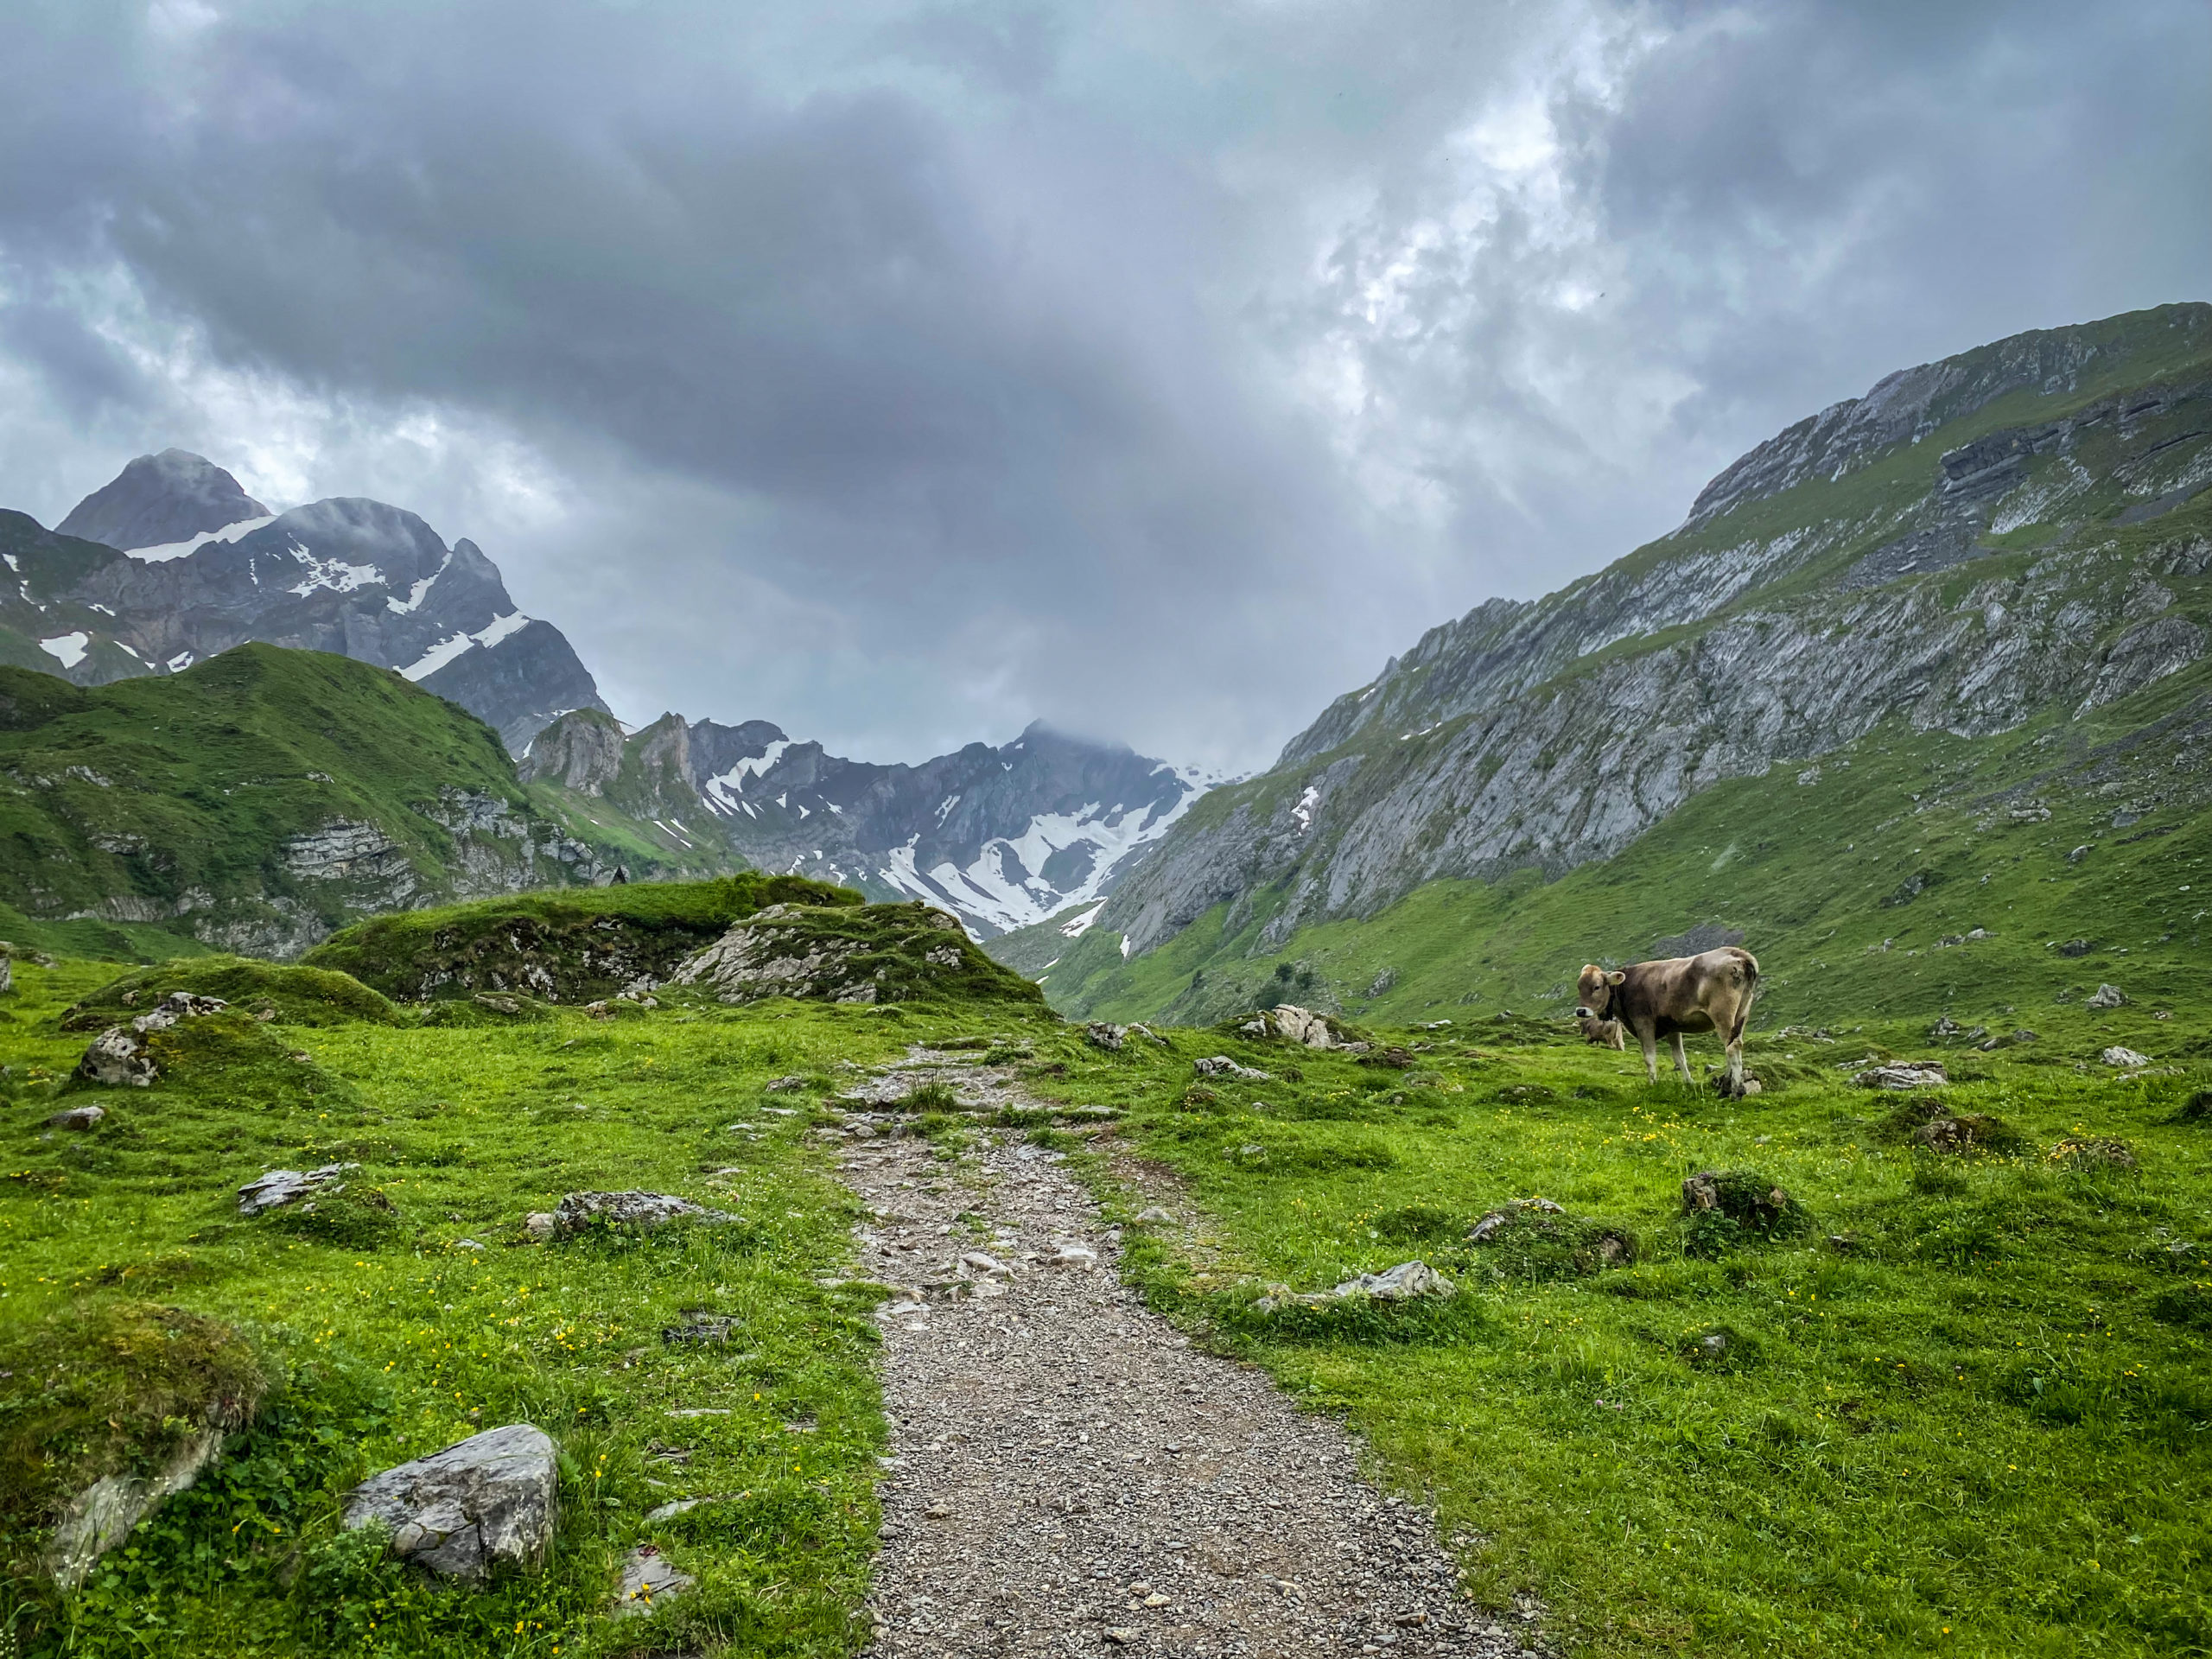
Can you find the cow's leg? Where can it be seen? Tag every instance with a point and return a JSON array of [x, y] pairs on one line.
[[1736, 1047], [1648, 1037], [1682, 1060]]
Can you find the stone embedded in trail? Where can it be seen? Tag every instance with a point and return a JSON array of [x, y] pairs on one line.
[[279, 1187], [458, 1512], [643, 1210], [1904, 1074], [2126, 1058], [77, 1117], [1220, 1065], [1156, 1213], [646, 1575]]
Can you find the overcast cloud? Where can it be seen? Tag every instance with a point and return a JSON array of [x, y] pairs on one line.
[[1156, 369]]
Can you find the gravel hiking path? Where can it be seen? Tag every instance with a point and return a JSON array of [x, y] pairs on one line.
[[1067, 1475]]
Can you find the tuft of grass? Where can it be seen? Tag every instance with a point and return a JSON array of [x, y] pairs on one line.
[[293, 996]]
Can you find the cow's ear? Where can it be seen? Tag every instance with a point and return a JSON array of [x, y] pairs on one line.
[[1616, 977]]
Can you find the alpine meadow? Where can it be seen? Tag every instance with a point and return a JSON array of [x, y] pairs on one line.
[[1674, 1118]]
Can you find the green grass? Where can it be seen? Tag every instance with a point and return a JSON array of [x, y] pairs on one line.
[[385, 1335], [1962, 1404]]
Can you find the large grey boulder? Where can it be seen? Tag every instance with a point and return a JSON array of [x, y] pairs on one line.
[[458, 1513]]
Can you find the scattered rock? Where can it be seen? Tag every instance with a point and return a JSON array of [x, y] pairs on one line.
[[1404, 1283], [498, 1001], [669, 1511], [2106, 996], [2075, 948], [2077, 855], [541, 1224], [77, 1117], [1220, 1065], [279, 1187], [783, 1085], [1398, 1059], [1156, 1215], [2126, 1058], [458, 1512], [1100, 1035], [118, 1058], [647, 1574], [1074, 1256], [1904, 1074], [643, 1210]]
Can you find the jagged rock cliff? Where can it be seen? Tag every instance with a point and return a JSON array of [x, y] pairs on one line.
[[172, 563], [2018, 528]]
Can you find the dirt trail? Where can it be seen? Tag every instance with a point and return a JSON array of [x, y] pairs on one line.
[[1068, 1476]]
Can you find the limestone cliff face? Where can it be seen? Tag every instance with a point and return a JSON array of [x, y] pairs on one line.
[[2019, 528]]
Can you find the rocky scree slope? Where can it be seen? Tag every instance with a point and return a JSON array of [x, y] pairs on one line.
[[256, 802], [2021, 528], [95, 599], [1001, 838]]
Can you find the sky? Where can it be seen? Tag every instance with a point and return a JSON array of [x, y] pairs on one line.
[[902, 372]]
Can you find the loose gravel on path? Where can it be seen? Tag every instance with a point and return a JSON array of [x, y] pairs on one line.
[[1067, 1475]]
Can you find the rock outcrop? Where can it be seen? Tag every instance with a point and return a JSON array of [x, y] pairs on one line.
[[488, 1501], [1834, 578]]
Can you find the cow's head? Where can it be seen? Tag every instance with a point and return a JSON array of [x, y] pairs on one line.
[[1595, 990]]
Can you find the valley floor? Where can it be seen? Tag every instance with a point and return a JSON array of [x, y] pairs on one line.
[[1938, 1401]]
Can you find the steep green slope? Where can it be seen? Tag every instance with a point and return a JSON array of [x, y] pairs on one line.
[[1915, 838], [255, 802]]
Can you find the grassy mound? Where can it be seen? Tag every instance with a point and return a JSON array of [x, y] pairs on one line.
[[111, 1388], [296, 996], [865, 953], [574, 945]]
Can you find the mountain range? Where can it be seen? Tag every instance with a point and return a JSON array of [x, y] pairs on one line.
[[2011, 544], [172, 563]]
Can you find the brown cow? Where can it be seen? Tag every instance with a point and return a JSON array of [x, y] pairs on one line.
[[1601, 1033], [1712, 992]]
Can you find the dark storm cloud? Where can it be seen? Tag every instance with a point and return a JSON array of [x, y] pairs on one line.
[[903, 373]]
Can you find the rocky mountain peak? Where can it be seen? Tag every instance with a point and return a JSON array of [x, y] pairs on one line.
[[159, 500], [581, 750]]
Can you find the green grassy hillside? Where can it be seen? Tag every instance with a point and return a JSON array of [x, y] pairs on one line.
[[1913, 838], [136, 812]]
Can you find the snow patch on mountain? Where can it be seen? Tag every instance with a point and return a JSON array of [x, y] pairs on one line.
[[168, 550], [68, 649]]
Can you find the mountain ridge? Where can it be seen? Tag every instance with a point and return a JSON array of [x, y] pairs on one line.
[[2048, 551]]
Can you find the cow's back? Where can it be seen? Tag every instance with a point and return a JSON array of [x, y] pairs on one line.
[[1678, 992]]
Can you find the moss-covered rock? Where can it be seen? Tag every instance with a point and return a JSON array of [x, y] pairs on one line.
[[104, 1410], [577, 945], [1725, 1209], [1533, 1240], [866, 953], [287, 996]]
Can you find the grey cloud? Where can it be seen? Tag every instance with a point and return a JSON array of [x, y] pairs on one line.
[[905, 373]]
